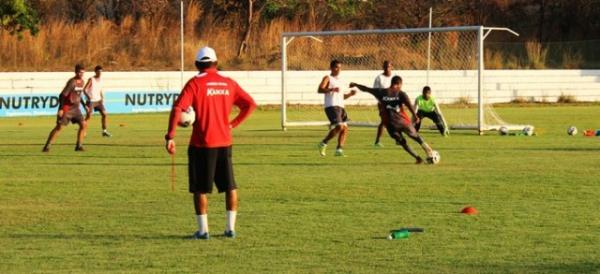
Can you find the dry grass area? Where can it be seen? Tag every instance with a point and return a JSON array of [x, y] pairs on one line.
[[152, 43]]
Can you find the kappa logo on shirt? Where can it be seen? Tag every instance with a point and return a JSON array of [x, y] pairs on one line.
[[217, 92]]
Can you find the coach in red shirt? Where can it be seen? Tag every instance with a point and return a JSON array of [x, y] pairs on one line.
[[212, 96]]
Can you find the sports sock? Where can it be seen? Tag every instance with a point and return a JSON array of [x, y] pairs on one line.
[[231, 215], [427, 149], [202, 223]]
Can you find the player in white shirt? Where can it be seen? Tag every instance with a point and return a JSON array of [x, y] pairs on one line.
[[331, 86], [382, 81], [95, 94]]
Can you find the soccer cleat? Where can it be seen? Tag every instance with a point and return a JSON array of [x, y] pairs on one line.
[[106, 134], [339, 153], [419, 161], [79, 148], [378, 145], [229, 234], [198, 236], [322, 149], [46, 149]]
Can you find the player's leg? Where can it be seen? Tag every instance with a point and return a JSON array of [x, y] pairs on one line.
[[343, 117], [437, 120], [420, 114], [78, 119], [104, 115], [200, 201], [401, 141], [200, 204], [332, 116], [201, 171], [225, 182], [339, 151], [381, 125], [413, 134], [331, 134], [52, 136], [379, 133], [60, 123]]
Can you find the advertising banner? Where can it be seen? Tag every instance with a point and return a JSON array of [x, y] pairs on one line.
[[114, 102]]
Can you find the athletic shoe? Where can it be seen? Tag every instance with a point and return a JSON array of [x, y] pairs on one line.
[[378, 145], [229, 234], [106, 134], [79, 148], [419, 161], [46, 149], [339, 153], [322, 149], [198, 236]]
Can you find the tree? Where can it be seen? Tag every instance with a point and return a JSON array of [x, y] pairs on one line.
[[16, 17]]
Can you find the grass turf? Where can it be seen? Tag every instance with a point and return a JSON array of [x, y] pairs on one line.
[[111, 209]]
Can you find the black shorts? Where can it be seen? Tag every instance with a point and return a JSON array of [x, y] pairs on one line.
[[96, 106], [336, 115], [72, 116], [396, 130], [208, 165]]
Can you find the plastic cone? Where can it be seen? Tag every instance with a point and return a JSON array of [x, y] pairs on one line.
[[469, 210]]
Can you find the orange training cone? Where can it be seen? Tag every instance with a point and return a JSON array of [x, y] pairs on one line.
[[469, 210]]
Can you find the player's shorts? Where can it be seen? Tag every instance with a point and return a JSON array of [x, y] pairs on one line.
[[70, 116], [434, 116], [96, 106], [208, 165], [336, 115], [396, 130]]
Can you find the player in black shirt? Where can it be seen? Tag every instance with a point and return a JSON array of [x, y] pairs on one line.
[[395, 101]]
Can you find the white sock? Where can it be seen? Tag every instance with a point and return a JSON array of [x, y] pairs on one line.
[[202, 223], [230, 226]]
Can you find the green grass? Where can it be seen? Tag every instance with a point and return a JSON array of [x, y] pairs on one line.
[[110, 209]]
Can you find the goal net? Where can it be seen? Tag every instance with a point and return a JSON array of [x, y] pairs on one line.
[[449, 60]]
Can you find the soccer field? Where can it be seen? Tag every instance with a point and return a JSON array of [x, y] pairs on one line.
[[111, 209]]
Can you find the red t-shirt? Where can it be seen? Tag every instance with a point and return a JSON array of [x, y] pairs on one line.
[[70, 97], [212, 96]]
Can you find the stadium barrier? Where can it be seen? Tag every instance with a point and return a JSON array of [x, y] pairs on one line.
[[36, 93]]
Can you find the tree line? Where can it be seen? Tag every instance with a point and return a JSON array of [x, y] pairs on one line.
[[539, 21]]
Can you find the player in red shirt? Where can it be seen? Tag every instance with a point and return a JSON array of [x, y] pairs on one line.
[[69, 111], [212, 96]]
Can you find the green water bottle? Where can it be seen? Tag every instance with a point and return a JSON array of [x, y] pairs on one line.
[[398, 234]]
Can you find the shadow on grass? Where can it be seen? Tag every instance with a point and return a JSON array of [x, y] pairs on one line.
[[51, 155], [104, 164], [60, 236], [575, 149], [85, 145], [567, 267], [320, 164]]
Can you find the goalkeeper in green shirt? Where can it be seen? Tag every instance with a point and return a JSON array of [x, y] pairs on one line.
[[427, 107]]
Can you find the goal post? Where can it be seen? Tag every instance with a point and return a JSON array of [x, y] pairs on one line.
[[455, 54]]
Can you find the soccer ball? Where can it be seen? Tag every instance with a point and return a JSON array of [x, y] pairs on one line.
[[435, 158], [503, 131], [187, 117], [572, 131], [528, 131]]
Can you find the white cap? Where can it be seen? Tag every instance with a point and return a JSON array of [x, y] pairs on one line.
[[206, 54]]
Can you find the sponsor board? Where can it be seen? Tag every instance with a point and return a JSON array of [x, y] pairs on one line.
[[114, 102]]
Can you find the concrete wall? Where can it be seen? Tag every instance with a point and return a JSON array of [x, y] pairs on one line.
[[265, 86]]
